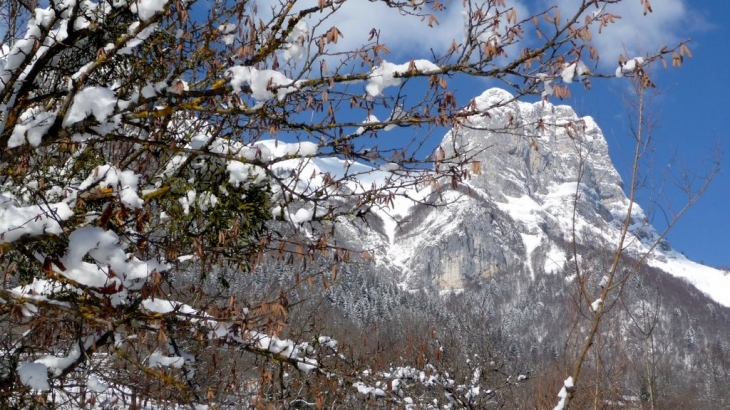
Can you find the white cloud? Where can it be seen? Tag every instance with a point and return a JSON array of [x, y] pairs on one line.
[[637, 34], [409, 37], [406, 36], [356, 18], [398, 32]]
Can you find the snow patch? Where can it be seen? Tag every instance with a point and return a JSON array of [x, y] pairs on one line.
[[157, 359], [18, 221], [629, 66], [713, 282], [146, 9], [563, 394], [97, 101], [386, 74], [555, 260], [34, 375], [294, 47], [124, 183], [531, 243], [265, 84]]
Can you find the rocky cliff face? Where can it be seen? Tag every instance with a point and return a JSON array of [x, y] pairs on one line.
[[546, 178]]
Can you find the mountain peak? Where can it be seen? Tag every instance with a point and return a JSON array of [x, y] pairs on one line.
[[525, 147], [492, 97], [546, 180]]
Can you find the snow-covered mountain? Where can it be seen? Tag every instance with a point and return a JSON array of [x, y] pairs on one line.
[[546, 181], [505, 236]]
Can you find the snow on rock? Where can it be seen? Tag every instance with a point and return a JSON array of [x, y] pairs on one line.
[[302, 215], [531, 243], [495, 101], [555, 260], [386, 74], [525, 210], [538, 188], [34, 375], [492, 97]]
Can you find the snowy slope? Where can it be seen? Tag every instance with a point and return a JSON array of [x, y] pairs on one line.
[[713, 282]]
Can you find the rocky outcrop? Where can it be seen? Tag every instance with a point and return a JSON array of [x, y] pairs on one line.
[[515, 214]]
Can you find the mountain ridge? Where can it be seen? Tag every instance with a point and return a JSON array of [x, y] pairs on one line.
[[538, 163]]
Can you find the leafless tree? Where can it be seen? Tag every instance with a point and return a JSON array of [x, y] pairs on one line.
[[145, 148]]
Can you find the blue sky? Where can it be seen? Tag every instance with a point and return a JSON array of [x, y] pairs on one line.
[[694, 116]]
